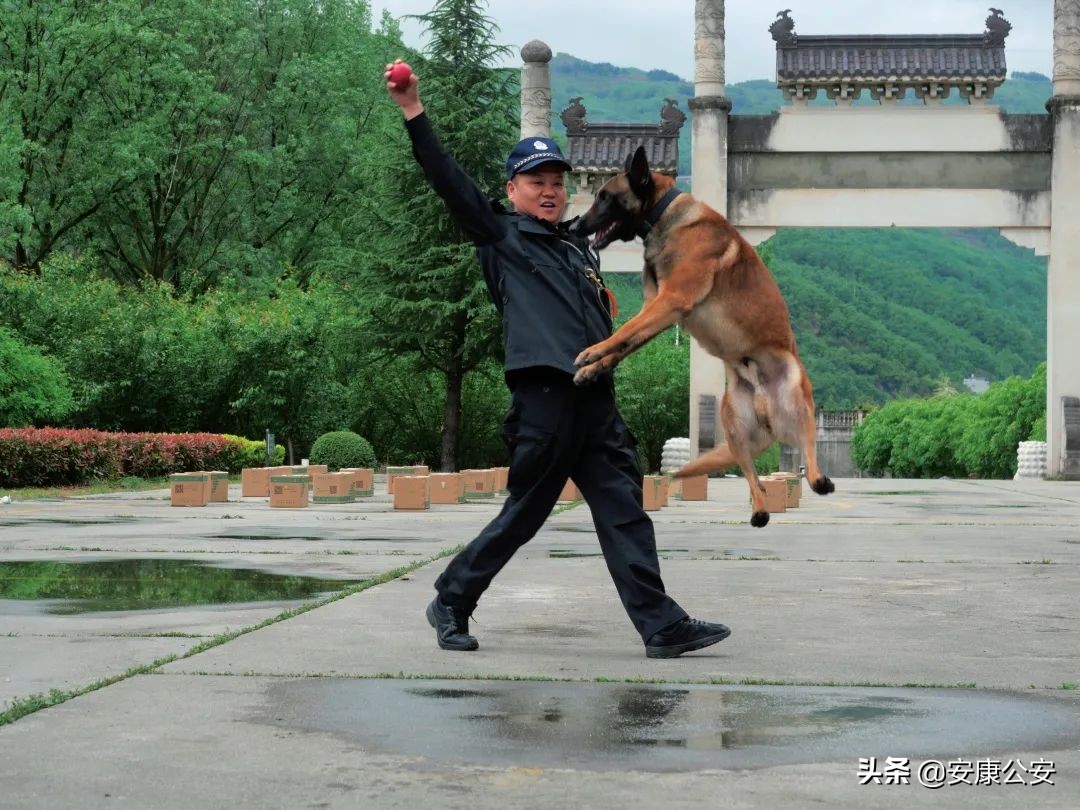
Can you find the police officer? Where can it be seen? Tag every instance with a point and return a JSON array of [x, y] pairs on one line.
[[547, 287]]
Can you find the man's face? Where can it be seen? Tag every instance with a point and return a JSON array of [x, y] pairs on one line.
[[540, 193]]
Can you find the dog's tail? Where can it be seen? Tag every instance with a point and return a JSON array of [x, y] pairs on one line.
[[715, 460]]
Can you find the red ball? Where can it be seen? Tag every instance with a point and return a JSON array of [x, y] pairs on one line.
[[399, 75]]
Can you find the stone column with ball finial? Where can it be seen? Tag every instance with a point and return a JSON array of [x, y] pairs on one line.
[[535, 90]]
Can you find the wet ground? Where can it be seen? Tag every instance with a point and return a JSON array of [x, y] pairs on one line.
[[840, 609], [70, 588], [647, 727]]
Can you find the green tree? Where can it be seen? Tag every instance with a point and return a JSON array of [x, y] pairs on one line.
[[138, 358], [420, 282], [256, 121], [652, 387], [33, 387], [286, 376], [56, 62], [190, 140]]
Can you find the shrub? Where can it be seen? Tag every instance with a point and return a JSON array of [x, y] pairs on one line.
[[957, 436], [342, 448], [32, 457], [252, 453], [33, 387], [1003, 417]]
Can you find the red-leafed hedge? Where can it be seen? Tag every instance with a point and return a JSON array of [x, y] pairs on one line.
[[33, 457]]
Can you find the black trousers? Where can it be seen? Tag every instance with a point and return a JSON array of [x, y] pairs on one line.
[[556, 430]]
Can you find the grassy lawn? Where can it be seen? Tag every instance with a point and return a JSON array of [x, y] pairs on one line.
[[96, 488]]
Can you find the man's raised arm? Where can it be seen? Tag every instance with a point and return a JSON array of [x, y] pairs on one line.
[[466, 202]]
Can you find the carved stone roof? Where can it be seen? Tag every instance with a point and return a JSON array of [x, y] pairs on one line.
[[602, 147], [889, 65]]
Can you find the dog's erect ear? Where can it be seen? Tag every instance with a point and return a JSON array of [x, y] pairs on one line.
[[639, 175]]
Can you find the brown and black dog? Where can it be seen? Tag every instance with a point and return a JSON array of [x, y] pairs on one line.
[[701, 273]]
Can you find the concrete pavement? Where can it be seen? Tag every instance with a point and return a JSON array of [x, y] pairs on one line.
[[884, 584]]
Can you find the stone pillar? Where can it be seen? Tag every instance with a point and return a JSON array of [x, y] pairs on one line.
[[708, 183], [1063, 282], [535, 90]]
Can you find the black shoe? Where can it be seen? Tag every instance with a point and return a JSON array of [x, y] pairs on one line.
[[451, 626], [685, 635]]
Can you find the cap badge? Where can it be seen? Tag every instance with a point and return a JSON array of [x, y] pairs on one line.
[[539, 145]]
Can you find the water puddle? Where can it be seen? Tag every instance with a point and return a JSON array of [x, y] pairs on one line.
[[270, 536], [68, 588], [47, 521], [665, 728]]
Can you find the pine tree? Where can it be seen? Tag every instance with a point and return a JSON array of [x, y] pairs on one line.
[[421, 284]]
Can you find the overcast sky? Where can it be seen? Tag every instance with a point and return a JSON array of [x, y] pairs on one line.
[[653, 34]]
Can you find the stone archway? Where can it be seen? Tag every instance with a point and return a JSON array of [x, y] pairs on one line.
[[924, 165]]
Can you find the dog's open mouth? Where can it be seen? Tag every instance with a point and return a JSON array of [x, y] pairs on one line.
[[603, 236]]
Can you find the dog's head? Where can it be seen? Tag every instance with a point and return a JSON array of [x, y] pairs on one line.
[[620, 205]]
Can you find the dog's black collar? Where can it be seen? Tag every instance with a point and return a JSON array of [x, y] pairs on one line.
[[657, 211]]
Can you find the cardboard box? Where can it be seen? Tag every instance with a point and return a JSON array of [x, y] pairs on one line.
[[776, 490], [502, 477], [412, 492], [397, 472], [332, 488], [255, 482], [316, 469], [363, 481], [478, 483], [652, 492], [674, 486], [219, 486], [794, 482], [289, 491], [570, 492], [695, 488], [447, 488], [665, 490], [189, 489]]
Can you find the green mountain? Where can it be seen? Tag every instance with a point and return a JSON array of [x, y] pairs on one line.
[[621, 94], [892, 312]]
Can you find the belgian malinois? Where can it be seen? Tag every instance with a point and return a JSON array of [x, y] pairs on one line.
[[701, 273]]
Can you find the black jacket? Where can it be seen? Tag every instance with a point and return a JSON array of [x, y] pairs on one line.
[[545, 283]]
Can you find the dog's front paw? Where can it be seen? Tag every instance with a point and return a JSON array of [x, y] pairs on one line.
[[584, 376], [588, 357]]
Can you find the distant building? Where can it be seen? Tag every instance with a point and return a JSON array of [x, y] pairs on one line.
[[976, 385]]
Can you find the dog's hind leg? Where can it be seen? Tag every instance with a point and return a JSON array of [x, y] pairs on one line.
[[746, 438], [806, 427], [819, 482], [717, 459]]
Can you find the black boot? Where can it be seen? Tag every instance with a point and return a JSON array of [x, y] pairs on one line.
[[451, 626], [685, 635]]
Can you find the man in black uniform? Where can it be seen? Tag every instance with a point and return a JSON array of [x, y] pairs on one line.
[[547, 287]]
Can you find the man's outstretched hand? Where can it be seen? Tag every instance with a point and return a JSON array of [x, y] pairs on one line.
[[404, 88]]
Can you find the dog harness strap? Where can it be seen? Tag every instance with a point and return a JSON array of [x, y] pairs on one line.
[[657, 211]]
